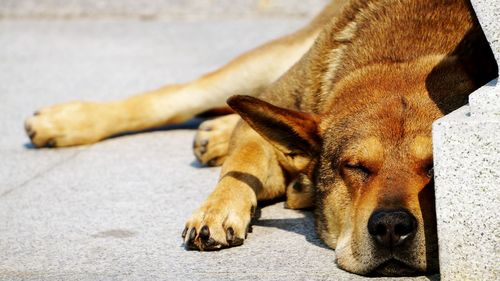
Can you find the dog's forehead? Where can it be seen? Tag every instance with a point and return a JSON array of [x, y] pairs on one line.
[[421, 147], [366, 149], [377, 148]]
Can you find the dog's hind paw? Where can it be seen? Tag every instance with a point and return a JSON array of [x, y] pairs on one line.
[[68, 124], [211, 142]]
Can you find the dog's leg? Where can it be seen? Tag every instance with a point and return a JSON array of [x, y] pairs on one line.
[[269, 142], [211, 142], [79, 123], [299, 193], [250, 173]]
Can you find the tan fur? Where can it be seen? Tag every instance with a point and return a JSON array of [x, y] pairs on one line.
[[347, 128], [211, 142]]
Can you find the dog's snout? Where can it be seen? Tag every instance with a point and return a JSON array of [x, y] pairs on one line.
[[391, 227]]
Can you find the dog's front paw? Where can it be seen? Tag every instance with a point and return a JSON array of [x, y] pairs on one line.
[[68, 124], [216, 226], [211, 142]]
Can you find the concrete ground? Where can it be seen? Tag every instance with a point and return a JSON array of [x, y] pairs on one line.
[[115, 210]]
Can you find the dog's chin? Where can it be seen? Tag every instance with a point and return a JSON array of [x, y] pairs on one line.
[[395, 268]]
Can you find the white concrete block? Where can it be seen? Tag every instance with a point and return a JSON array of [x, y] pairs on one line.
[[485, 102], [488, 13], [467, 179], [467, 174]]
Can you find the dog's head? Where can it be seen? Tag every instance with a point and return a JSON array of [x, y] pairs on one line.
[[369, 156]]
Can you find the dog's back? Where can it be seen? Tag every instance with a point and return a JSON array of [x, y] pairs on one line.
[[384, 33]]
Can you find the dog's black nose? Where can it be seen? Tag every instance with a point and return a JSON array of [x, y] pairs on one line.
[[391, 227]]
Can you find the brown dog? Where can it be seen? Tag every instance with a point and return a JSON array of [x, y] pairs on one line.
[[346, 129]]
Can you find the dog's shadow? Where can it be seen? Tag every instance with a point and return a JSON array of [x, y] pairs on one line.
[[303, 226]]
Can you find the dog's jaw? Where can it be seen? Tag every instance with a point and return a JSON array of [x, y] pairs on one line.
[[393, 267], [371, 261]]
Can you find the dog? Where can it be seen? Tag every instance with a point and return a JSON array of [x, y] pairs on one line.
[[336, 116]]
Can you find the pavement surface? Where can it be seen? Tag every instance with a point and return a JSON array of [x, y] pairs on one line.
[[159, 9], [115, 210]]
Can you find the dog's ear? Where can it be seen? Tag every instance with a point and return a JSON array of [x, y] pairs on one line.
[[292, 132]]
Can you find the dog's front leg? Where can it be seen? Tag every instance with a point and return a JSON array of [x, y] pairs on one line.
[[250, 173]]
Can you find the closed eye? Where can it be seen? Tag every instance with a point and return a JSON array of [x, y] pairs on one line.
[[357, 167]]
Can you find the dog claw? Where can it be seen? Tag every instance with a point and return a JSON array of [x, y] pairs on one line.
[[203, 149], [232, 240], [237, 241], [211, 244], [192, 235], [213, 162], [184, 232], [229, 235], [204, 233], [252, 212], [51, 143], [191, 242], [203, 146]]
